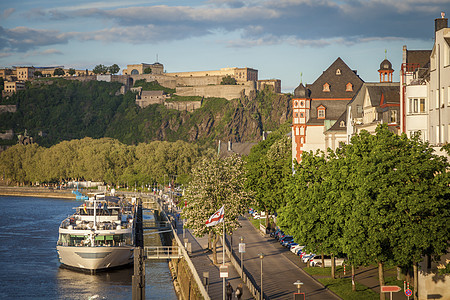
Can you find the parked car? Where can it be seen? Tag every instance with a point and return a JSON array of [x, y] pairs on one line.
[[286, 239], [289, 244], [316, 261], [306, 257], [274, 233], [296, 248]]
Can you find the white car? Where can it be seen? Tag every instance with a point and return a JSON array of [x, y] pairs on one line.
[[296, 248], [316, 261]]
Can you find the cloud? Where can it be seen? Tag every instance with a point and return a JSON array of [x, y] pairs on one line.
[[22, 39], [301, 22], [7, 12]]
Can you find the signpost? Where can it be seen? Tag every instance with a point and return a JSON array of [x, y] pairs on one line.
[[390, 289], [408, 293], [223, 271]]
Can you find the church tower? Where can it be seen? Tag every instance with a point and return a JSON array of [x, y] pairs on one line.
[[386, 71]]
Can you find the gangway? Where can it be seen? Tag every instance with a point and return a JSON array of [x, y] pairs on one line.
[[164, 225], [162, 252]]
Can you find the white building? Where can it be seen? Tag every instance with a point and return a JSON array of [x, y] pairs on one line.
[[439, 85]]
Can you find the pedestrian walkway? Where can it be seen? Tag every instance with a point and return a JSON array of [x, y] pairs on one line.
[[203, 262], [279, 273]]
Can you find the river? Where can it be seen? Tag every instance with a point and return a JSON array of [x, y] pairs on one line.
[[29, 264]]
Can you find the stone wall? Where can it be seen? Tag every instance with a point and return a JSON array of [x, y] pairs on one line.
[[7, 135], [221, 91], [8, 108], [189, 106]]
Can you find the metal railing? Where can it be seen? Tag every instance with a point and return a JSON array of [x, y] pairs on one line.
[[162, 252]]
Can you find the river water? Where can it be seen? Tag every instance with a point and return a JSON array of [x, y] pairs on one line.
[[29, 264]]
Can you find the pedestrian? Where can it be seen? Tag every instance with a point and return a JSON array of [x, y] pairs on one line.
[[239, 291], [229, 291]]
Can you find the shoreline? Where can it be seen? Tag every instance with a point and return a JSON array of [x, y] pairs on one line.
[[36, 192]]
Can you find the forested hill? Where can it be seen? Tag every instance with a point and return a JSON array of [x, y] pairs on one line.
[[65, 110]]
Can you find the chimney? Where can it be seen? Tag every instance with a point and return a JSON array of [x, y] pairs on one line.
[[440, 23]]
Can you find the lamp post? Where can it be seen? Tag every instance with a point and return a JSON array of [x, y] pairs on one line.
[[299, 284], [261, 256], [241, 249]]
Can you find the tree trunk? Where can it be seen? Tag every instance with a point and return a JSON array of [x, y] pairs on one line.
[[399, 273], [416, 281], [267, 220], [323, 260], [210, 241], [353, 278], [381, 279], [333, 266]]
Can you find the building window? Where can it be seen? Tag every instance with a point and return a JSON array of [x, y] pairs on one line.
[[296, 115], [338, 72], [349, 87], [342, 124], [302, 103], [295, 103], [437, 99], [321, 112], [393, 117], [326, 87], [416, 106], [302, 115]]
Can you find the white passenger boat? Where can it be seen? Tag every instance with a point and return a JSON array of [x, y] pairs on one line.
[[98, 236]]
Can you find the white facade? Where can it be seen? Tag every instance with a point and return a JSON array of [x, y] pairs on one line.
[[439, 89], [416, 109]]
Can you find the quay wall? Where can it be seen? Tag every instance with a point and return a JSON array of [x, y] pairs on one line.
[[35, 192]]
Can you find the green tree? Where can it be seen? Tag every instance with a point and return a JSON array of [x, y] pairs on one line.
[[100, 69], [228, 80], [268, 169], [71, 71], [114, 69], [148, 70], [216, 182], [58, 72], [37, 73]]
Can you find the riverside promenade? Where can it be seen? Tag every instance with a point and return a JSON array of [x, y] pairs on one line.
[[279, 272]]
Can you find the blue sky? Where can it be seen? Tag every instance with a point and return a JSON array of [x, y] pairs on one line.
[[280, 38]]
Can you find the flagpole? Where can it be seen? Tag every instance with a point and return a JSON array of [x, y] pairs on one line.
[[223, 254]]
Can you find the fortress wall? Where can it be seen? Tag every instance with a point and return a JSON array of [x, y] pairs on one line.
[[198, 81], [184, 106], [222, 91], [8, 108]]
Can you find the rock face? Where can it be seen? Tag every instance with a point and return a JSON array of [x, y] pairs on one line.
[[244, 119]]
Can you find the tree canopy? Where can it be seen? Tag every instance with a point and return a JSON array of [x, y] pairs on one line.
[[228, 80], [215, 182], [381, 198], [103, 159]]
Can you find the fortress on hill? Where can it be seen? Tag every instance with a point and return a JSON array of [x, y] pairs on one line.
[[196, 83]]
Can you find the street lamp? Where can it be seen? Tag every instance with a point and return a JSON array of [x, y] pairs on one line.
[[242, 249], [299, 284], [261, 256]]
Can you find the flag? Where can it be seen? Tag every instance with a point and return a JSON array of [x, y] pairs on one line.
[[84, 208], [216, 218]]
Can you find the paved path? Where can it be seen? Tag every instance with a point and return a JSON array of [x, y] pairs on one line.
[[279, 273]]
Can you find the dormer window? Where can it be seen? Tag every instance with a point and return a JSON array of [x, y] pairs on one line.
[[349, 87], [321, 112], [342, 124], [326, 87], [338, 72]]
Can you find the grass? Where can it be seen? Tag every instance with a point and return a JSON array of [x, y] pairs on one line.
[[343, 288], [324, 271]]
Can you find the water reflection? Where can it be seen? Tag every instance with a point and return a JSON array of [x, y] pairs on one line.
[[115, 284]]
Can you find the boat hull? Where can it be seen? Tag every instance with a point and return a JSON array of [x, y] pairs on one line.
[[95, 258]]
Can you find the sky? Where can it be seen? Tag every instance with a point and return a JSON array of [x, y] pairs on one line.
[[291, 40]]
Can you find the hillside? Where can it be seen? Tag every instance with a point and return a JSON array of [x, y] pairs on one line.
[[57, 110]]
